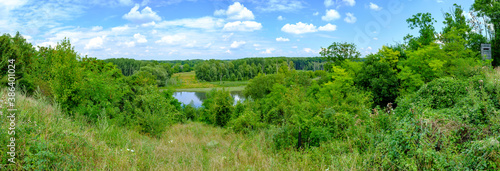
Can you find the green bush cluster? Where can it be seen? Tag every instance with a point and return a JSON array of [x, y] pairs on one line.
[[91, 88]]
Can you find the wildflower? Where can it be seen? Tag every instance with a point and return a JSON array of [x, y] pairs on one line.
[[132, 151]]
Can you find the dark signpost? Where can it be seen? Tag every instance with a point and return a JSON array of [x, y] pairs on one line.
[[486, 51]]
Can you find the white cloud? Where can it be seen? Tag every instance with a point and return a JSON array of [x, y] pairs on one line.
[[120, 28], [239, 12], [237, 44], [295, 47], [299, 28], [309, 50], [129, 44], [268, 51], [281, 5], [47, 44], [375, 38], [140, 38], [256, 45], [97, 28], [152, 23], [220, 12], [328, 3], [331, 15], [154, 32], [375, 7], [328, 27], [350, 2], [144, 16], [281, 39], [350, 18], [242, 26], [201, 23], [316, 13], [172, 39], [280, 17], [95, 43]]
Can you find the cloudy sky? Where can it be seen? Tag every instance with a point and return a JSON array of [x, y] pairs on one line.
[[214, 29]]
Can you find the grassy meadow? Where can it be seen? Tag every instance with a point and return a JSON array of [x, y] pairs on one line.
[[186, 81]]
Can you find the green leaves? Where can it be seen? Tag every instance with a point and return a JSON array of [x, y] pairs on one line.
[[338, 52]]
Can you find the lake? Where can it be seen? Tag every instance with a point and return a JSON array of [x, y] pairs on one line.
[[197, 98]]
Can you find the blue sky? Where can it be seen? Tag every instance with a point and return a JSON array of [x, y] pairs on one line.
[[215, 29]]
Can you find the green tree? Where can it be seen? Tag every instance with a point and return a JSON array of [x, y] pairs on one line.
[[425, 22], [491, 9], [338, 52]]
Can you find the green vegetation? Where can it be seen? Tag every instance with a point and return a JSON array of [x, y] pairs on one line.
[[248, 68], [430, 103]]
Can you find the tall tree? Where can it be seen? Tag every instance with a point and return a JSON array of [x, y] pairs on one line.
[[425, 22], [491, 9], [338, 52]]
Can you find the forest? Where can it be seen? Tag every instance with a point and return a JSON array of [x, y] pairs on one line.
[[428, 103]]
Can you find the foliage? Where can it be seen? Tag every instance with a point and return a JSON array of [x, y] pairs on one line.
[[424, 21], [218, 107], [338, 52]]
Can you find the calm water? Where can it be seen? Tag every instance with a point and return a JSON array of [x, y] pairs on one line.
[[197, 98]]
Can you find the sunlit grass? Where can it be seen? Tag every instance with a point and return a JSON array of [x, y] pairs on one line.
[[49, 139], [188, 82]]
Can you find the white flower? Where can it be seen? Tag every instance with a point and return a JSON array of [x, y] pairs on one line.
[[132, 151], [128, 149]]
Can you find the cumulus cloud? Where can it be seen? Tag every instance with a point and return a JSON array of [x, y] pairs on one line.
[[350, 18], [309, 50], [237, 12], [281, 39], [280, 17], [242, 26], [316, 13], [140, 38], [331, 15], [375, 7], [95, 43], [299, 28], [144, 16], [328, 27], [237, 44], [268, 51]]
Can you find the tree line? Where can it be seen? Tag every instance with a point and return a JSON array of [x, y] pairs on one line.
[[248, 68]]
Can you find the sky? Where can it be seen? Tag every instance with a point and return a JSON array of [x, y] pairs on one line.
[[215, 29]]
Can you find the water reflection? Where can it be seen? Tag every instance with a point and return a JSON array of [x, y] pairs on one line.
[[196, 98]]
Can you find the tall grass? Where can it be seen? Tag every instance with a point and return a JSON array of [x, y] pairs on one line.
[[48, 139]]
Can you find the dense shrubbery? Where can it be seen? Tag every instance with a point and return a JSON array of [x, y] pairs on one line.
[[93, 89]]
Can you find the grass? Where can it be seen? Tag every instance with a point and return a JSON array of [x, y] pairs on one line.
[[188, 82], [240, 88], [48, 139]]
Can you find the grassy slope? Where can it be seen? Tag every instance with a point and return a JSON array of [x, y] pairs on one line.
[[47, 139], [189, 83]]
